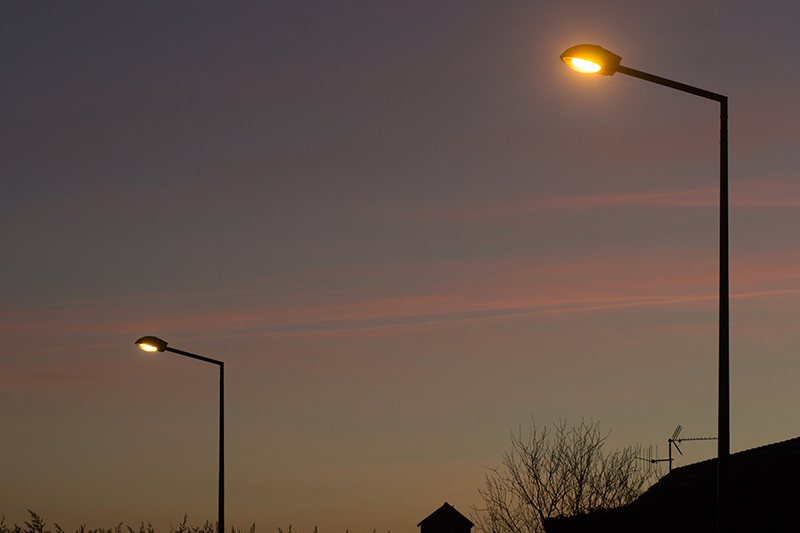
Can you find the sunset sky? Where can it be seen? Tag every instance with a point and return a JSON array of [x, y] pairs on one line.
[[406, 228]]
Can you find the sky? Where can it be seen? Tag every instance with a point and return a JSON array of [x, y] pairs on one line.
[[406, 228]]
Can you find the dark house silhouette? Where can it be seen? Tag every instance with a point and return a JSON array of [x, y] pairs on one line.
[[764, 491], [445, 519]]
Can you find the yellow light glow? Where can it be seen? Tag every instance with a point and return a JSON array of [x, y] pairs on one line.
[[583, 65], [148, 348]]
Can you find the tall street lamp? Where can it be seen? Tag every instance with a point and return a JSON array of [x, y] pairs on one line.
[[590, 58], [154, 344]]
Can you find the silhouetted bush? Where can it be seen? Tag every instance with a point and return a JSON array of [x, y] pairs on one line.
[[37, 525]]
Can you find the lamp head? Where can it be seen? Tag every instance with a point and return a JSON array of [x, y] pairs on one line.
[[151, 344], [590, 58]]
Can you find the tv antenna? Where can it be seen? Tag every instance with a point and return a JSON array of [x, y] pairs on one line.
[[649, 459], [674, 440]]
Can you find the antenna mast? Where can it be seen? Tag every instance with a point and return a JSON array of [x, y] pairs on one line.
[[674, 440]]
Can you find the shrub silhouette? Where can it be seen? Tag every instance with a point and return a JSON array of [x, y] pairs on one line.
[[37, 525]]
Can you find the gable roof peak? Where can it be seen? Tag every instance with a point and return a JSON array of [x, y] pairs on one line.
[[446, 514]]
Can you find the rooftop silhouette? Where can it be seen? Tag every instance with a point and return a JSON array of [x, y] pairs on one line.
[[445, 519], [764, 492]]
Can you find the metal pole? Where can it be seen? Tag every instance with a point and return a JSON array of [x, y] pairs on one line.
[[724, 423], [723, 431], [221, 503]]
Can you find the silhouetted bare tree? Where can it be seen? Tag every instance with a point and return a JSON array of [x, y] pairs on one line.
[[558, 472]]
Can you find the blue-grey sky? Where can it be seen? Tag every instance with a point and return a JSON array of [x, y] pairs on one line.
[[406, 228]]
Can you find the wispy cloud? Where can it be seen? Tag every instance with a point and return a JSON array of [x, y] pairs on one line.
[[768, 191], [349, 312]]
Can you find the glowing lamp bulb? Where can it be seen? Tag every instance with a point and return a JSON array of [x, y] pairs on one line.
[[148, 348], [583, 65]]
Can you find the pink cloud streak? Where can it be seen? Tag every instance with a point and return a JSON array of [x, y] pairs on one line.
[[500, 290], [767, 191]]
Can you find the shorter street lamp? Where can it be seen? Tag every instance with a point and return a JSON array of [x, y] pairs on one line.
[[154, 344]]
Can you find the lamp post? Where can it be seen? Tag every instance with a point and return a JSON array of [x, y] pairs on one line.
[[590, 58], [154, 344]]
